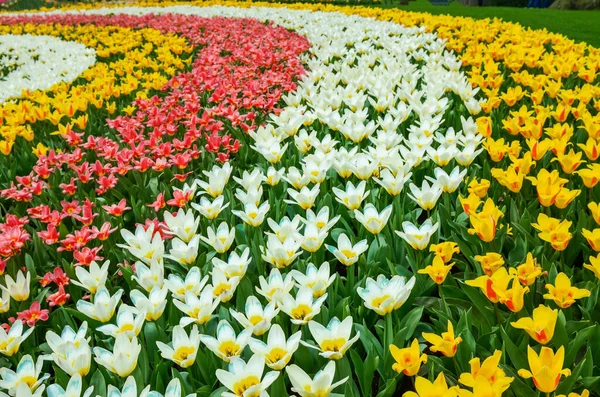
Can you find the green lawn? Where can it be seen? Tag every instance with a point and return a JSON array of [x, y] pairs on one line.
[[577, 25]]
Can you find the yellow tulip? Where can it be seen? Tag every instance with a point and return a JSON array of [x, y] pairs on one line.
[[554, 231], [409, 359], [437, 271], [562, 293], [584, 393], [546, 368], [479, 188], [424, 388], [513, 297], [548, 186], [489, 370], [541, 325], [446, 344], [494, 285], [445, 250], [595, 210], [593, 238], [470, 204], [527, 272], [490, 262], [594, 265]]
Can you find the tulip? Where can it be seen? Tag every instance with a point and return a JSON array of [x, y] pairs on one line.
[[334, 340], [253, 215], [353, 196], [18, 289], [145, 244], [281, 254], [513, 297], [409, 359], [548, 186], [26, 380], [319, 386], [123, 360], [313, 238], [210, 210], [445, 250], [274, 176], [256, 318], [554, 231], [347, 253], [593, 238], [425, 388], [183, 225], [528, 272], [93, 278], [562, 293], [184, 348], [321, 219], [236, 265], [275, 286], [594, 265], [427, 196], [148, 277], [74, 389], [286, 227], [546, 368], [595, 211], [489, 370], [492, 286], [584, 393], [4, 300], [103, 306], [490, 262], [371, 219], [129, 322], [11, 341], [446, 343], [305, 198], [184, 253], [383, 296], [448, 183], [303, 307], [198, 309], [218, 177], [541, 325], [277, 351], [153, 305], [470, 204], [569, 162], [418, 238], [295, 178], [246, 379], [318, 280], [221, 239], [565, 197], [437, 271], [392, 184], [479, 188], [227, 345]]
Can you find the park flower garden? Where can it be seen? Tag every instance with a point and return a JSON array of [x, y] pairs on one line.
[[251, 199]]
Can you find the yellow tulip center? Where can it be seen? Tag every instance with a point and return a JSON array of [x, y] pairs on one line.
[[333, 345], [240, 387], [229, 348], [301, 311], [255, 319], [183, 352], [276, 354], [380, 299]]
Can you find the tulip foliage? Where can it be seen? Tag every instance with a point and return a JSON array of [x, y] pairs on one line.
[[234, 199]]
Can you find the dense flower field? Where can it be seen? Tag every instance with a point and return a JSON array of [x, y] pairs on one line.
[[245, 199]]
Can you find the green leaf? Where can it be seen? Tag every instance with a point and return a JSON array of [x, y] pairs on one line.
[[517, 355], [99, 384], [575, 345], [409, 324], [567, 383]]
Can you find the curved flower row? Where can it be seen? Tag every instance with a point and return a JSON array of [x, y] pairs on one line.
[[466, 278], [39, 62]]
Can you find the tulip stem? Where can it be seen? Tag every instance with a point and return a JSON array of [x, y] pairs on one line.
[[498, 318], [444, 304], [388, 333]]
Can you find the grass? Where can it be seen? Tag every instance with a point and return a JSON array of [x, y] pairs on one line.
[[576, 25]]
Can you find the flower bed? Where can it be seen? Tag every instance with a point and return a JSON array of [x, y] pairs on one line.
[[303, 200]]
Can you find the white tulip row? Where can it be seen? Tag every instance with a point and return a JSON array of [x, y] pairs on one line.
[[39, 62]]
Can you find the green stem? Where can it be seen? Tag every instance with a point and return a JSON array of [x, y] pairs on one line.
[[498, 318], [444, 304], [388, 333]]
